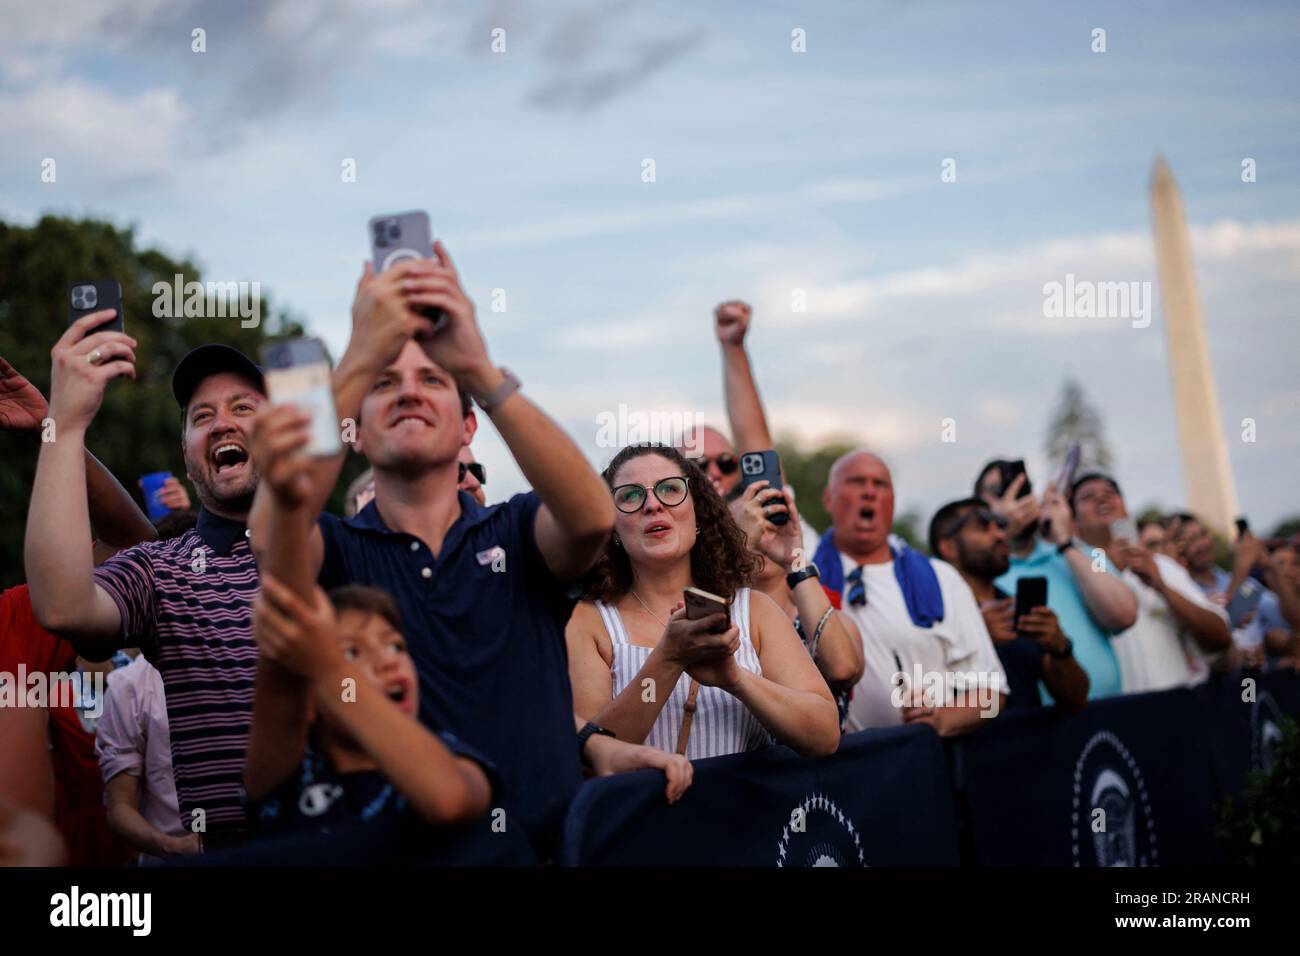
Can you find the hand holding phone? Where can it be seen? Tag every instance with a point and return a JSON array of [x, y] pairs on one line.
[[399, 237], [763, 466], [701, 604], [1031, 592]]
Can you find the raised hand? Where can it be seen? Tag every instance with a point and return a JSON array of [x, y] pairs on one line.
[[300, 637], [753, 511], [22, 406], [173, 495], [731, 322], [280, 432], [84, 362], [458, 345]]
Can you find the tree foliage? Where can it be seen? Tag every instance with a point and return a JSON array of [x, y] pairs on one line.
[[1075, 419]]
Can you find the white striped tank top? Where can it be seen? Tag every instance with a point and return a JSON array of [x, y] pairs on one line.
[[722, 725]]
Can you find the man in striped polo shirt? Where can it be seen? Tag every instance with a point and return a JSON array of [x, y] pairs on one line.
[[185, 602]]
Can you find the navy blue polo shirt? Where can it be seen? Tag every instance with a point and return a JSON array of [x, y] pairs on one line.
[[484, 622]]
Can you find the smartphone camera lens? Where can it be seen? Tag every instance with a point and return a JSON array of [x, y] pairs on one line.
[[752, 464], [92, 297], [394, 232]]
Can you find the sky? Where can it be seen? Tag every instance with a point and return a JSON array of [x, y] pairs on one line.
[[916, 175]]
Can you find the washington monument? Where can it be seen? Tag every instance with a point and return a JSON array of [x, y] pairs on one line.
[[1208, 477]]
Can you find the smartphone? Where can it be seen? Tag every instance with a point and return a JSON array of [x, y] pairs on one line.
[[1242, 527], [1124, 529], [297, 372], [760, 465], [87, 297], [700, 604], [1008, 471], [1031, 592], [1244, 601], [1065, 478], [400, 236]]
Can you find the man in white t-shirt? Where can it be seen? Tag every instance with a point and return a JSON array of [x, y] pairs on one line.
[[916, 615], [1180, 636]]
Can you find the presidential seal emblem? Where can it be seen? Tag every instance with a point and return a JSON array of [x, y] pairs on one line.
[[818, 833], [1111, 823]]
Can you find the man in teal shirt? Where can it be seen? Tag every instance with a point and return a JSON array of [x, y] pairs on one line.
[[1084, 590]]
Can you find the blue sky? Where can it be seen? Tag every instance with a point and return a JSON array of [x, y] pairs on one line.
[[775, 171]]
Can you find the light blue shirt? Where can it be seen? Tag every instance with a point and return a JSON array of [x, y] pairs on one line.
[[1091, 643]]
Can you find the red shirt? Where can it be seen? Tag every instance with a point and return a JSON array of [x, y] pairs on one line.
[[78, 789]]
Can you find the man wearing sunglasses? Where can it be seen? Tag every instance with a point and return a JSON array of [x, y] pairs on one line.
[[716, 457], [970, 537], [471, 476]]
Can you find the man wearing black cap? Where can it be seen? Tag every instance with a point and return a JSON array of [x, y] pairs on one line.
[[185, 602]]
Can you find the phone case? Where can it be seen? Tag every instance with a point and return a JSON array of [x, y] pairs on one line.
[[400, 236], [87, 297], [700, 604], [758, 465], [298, 373]]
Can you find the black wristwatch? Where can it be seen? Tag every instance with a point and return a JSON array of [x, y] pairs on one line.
[[1062, 548], [585, 734], [794, 578], [1062, 655]]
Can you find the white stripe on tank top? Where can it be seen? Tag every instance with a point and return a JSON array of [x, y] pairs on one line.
[[722, 725]]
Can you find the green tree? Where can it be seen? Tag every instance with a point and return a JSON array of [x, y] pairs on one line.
[[1075, 419], [806, 472], [137, 429], [1286, 527]]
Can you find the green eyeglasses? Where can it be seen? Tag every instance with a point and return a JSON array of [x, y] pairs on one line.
[[630, 499]]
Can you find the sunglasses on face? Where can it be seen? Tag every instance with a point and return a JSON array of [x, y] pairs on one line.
[[630, 499], [726, 463], [982, 515], [474, 468]]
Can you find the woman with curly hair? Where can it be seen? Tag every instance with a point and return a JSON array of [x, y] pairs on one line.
[[703, 688]]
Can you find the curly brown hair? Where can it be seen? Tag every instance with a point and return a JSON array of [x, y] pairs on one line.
[[720, 561]]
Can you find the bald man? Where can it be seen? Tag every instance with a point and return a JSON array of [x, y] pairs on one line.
[[916, 615]]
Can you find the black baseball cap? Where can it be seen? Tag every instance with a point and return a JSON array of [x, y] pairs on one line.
[[208, 360]]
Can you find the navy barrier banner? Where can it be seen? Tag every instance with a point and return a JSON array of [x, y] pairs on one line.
[[1242, 717], [1127, 782], [883, 799]]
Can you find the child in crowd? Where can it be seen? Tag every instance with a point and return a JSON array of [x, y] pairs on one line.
[[367, 755]]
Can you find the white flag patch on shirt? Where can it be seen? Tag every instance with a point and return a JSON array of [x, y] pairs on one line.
[[494, 553]]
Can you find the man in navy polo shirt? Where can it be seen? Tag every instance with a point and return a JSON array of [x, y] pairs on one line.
[[484, 592], [186, 602]]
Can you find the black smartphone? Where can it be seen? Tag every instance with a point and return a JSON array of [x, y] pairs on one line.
[[1008, 471], [1242, 527], [1031, 592], [399, 236], [760, 465], [87, 297]]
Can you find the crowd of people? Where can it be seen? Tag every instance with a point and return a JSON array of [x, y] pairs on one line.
[[276, 669]]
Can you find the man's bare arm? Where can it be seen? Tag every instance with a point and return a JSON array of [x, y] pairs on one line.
[[745, 412]]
